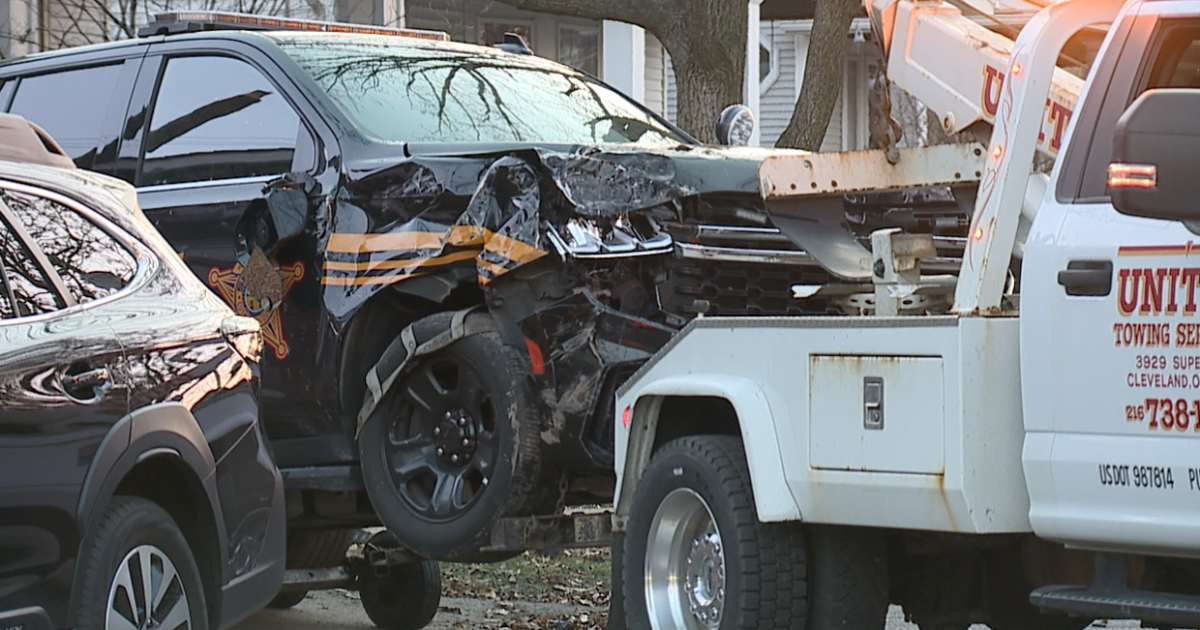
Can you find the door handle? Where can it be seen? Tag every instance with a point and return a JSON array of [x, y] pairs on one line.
[[1087, 277], [88, 384]]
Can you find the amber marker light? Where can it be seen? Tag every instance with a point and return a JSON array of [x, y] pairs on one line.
[[1132, 175]]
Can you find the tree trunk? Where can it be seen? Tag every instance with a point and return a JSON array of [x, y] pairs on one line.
[[709, 59], [701, 94], [705, 38], [822, 75]]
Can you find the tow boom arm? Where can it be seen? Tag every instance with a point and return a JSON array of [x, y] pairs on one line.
[[957, 67]]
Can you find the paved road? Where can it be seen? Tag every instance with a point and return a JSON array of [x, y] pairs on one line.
[[340, 610]]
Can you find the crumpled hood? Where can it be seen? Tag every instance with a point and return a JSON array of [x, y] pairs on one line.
[[594, 175], [445, 210]]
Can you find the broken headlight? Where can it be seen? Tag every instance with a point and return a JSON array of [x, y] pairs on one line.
[[615, 237]]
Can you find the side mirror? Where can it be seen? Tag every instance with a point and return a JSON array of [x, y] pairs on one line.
[[283, 217], [735, 125], [1156, 150]]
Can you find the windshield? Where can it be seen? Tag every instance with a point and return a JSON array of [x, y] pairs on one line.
[[405, 93]]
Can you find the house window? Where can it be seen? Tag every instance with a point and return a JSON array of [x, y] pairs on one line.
[[579, 47], [768, 63], [492, 33]]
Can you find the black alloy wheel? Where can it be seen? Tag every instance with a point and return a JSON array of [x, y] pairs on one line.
[[443, 442], [454, 446]]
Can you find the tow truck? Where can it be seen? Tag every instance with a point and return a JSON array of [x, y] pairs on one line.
[[1013, 443]]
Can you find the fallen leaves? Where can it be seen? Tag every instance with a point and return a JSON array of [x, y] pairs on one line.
[[533, 591]]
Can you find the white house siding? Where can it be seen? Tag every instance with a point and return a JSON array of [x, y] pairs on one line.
[[656, 69], [670, 96], [847, 128], [777, 101], [833, 134]]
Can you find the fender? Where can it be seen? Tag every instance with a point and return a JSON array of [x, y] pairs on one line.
[[426, 335], [772, 500], [164, 429]]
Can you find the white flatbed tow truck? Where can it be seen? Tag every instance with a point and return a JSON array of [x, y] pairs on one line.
[[1017, 444]]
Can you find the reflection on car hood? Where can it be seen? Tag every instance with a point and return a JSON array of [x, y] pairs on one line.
[[692, 169]]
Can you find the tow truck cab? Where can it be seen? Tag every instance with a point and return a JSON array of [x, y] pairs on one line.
[[1041, 430], [1110, 356]]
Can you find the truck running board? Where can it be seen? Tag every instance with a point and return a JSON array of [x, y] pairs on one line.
[[1121, 603]]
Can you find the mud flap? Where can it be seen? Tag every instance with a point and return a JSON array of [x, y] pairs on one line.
[[616, 600]]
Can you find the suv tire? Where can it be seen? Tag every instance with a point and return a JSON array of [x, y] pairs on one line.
[[136, 532], [454, 445]]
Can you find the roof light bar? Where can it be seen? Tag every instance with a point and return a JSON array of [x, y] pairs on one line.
[[192, 21]]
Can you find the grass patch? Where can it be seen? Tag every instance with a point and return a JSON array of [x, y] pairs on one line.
[[577, 577]]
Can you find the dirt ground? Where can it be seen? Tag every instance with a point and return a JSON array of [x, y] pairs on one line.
[[567, 591]]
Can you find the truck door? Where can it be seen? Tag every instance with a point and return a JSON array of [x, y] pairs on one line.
[[1110, 325], [215, 129]]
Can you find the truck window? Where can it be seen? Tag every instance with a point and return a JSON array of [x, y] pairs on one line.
[[1158, 54], [1177, 64], [53, 102], [217, 118]]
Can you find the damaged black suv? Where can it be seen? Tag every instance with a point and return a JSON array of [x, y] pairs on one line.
[[456, 253]]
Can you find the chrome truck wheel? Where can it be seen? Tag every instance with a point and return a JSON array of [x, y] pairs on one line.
[[685, 564], [696, 556]]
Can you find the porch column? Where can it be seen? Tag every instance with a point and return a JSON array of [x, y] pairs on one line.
[[389, 13], [750, 90], [623, 64]]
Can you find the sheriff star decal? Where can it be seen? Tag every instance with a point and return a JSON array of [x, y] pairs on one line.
[[236, 287]]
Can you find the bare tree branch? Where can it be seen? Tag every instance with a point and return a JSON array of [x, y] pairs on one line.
[[705, 38]]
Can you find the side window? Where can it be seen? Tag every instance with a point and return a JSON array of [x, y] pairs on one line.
[[217, 118], [53, 101], [1176, 63], [26, 289], [91, 263], [1159, 53]]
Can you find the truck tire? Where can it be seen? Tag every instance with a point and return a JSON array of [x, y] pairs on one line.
[[696, 555], [136, 532], [847, 578], [407, 596], [454, 445]]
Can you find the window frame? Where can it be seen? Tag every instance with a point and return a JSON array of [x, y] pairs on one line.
[[145, 262], [17, 227], [159, 70], [118, 97], [767, 42], [578, 27]]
